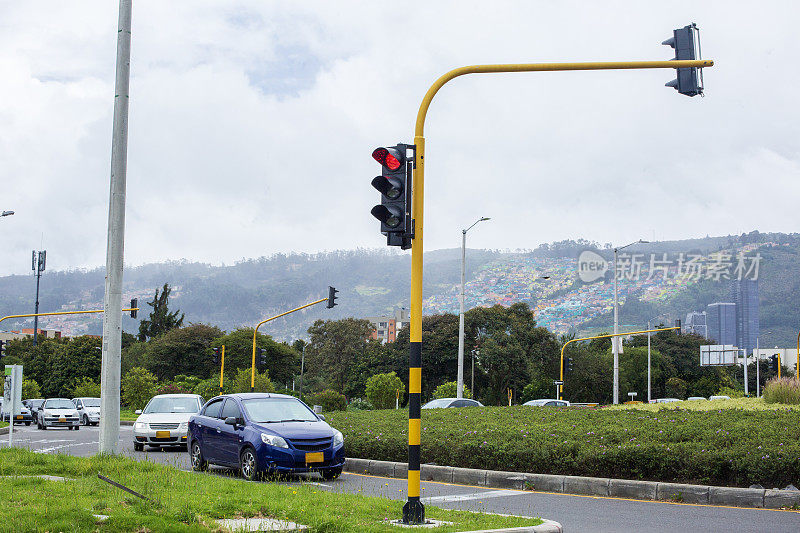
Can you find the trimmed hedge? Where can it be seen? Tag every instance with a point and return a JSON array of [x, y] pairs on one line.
[[725, 447]]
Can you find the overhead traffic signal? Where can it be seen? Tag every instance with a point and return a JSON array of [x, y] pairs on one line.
[[3, 348], [686, 42], [134, 307], [331, 297], [262, 357], [394, 184], [678, 326], [216, 356], [774, 363], [568, 365]]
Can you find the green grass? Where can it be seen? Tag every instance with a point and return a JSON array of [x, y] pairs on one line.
[[738, 446], [748, 404], [3, 424], [127, 414], [184, 501]]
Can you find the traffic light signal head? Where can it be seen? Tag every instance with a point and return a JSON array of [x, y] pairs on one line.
[[684, 41], [774, 363], [678, 326], [262, 357], [394, 184], [331, 297], [2, 348], [216, 357], [134, 306], [569, 367]]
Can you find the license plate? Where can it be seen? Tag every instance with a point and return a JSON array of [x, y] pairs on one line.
[[162, 434], [315, 457], [19, 417], [62, 419]]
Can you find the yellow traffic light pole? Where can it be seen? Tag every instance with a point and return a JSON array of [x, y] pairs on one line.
[[255, 332], [414, 511], [561, 387], [221, 367], [64, 313]]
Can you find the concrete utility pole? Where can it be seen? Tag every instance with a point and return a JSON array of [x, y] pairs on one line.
[[112, 316], [460, 380], [648, 363], [617, 341], [38, 261]]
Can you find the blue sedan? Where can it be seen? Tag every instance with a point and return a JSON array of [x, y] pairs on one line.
[[261, 433]]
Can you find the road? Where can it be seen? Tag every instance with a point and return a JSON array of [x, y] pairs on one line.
[[575, 513]]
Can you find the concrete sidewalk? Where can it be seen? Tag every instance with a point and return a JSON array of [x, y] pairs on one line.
[[591, 486]]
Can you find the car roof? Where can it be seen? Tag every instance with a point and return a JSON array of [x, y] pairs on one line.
[[254, 395], [186, 395]]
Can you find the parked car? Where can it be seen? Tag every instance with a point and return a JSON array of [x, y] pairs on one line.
[[88, 410], [667, 400], [547, 403], [22, 417], [695, 398], [33, 404], [722, 397], [57, 412], [452, 402], [261, 433], [164, 420]]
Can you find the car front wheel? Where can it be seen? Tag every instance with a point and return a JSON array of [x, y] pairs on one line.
[[199, 463], [248, 464]]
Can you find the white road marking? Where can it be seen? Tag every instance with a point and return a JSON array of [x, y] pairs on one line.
[[472, 496], [318, 484], [53, 448]]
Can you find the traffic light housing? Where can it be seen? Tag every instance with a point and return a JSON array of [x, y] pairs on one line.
[[568, 365], [774, 363], [678, 326], [331, 297], [216, 356], [2, 349], [395, 187], [262, 357], [134, 307], [686, 42]]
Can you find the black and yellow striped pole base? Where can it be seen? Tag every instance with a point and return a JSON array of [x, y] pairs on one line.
[[413, 510]]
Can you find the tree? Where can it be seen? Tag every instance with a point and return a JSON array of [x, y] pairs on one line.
[[242, 379], [161, 320], [382, 390], [30, 389], [185, 351], [283, 361], [337, 350], [676, 387], [138, 386], [449, 390], [86, 388]]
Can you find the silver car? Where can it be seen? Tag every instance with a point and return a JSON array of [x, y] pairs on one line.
[[165, 420], [88, 410], [547, 402], [58, 412]]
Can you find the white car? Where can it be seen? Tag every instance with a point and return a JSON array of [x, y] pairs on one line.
[[667, 400], [547, 403], [452, 402], [58, 412], [721, 397], [88, 410], [165, 420]]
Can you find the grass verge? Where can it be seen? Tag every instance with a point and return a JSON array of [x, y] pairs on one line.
[[3, 424], [736, 447], [184, 501], [127, 414], [746, 404]]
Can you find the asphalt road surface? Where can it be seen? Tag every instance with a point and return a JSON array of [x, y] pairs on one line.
[[575, 513]]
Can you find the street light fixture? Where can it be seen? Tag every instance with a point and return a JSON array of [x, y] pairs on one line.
[[460, 380], [6, 213], [615, 344]]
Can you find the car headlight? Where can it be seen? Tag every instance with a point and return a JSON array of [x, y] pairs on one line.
[[139, 425], [274, 440], [184, 425], [338, 438]]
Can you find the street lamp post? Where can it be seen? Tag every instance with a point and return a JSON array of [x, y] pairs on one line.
[[6, 213], [37, 265], [616, 341], [460, 380]]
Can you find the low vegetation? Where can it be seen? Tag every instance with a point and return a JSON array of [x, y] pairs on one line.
[[750, 404], [184, 501], [782, 390], [720, 446]]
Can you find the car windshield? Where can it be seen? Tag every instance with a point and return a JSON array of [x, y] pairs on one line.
[[278, 410], [58, 404], [91, 402], [438, 403], [172, 405]]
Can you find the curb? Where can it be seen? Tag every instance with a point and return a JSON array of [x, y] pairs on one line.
[[588, 486], [4, 431], [548, 526], [126, 422]]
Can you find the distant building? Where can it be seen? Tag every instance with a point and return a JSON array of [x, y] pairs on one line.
[[46, 333], [696, 324], [386, 327], [744, 294], [721, 322]]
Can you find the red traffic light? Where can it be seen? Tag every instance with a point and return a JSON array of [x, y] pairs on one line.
[[388, 157]]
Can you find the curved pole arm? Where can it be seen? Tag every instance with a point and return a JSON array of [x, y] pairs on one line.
[[65, 313]]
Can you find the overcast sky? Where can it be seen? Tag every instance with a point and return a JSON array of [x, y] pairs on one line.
[[252, 125]]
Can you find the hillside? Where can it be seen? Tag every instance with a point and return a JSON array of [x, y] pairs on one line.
[[374, 282]]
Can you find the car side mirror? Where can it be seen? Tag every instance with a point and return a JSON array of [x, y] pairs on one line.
[[321, 416], [137, 412], [232, 420]]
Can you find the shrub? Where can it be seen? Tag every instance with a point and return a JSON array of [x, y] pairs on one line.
[[289, 392], [329, 400], [172, 388], [358, 404], [241, 382], [186, 382], [449, 390], [782, 390], [382, 390], [138, 386], [30, 389], [730, 392], [86, 388], [208, 388]]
